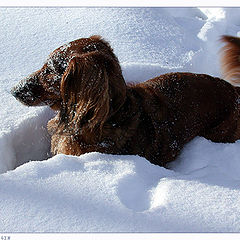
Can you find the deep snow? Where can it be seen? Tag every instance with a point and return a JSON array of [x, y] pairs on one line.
[[106, 193]]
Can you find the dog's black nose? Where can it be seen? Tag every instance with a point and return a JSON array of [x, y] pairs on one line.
[[14, 92], [25, 93], [23, 97]]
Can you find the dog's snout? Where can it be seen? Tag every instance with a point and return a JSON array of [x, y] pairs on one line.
[[20, 93], [24, 97], [17, 91], [27, 91]]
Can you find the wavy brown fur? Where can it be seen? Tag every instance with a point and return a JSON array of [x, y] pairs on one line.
[[230, 59], [97, 111]]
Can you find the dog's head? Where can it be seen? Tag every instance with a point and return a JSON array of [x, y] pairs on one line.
[[82, 80], [43, 86]]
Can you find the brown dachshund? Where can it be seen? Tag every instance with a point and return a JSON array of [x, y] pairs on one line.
[[98, 111]]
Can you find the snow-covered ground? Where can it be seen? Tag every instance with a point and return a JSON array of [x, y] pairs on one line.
[[200, 192]]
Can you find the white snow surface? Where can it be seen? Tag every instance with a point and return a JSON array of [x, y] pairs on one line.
[[200, 192]]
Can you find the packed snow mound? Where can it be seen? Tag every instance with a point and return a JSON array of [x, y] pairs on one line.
[[105, 193], [199, 192]]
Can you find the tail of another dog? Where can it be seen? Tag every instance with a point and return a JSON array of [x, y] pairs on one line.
[[230, 59], [230, 66]]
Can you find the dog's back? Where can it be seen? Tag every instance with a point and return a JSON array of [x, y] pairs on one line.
[[189, 105]]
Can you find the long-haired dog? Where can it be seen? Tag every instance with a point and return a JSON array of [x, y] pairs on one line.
[[98, 111]]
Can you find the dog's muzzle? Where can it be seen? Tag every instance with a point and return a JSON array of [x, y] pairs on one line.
[[28, 91]]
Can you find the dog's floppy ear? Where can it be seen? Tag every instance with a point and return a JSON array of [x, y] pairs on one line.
[[92, 88]]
